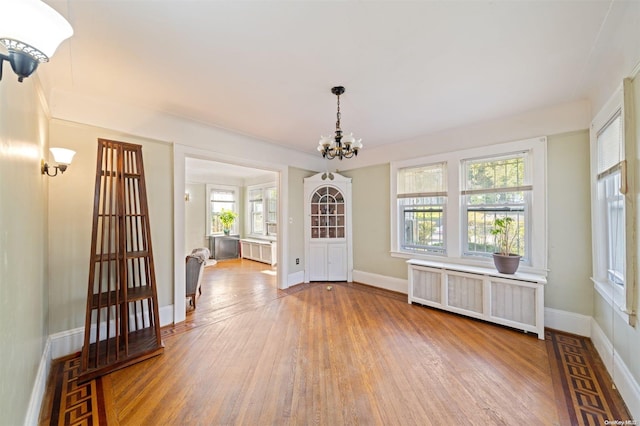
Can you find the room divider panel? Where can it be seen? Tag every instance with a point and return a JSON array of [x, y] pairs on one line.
[[122, 322]]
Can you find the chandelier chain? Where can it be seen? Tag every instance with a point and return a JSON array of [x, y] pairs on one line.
[[338, 115]]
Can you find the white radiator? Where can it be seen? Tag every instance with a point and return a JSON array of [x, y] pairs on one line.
[[513, 300]]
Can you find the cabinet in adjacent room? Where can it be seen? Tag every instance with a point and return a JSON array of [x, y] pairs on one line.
[[328, 236]]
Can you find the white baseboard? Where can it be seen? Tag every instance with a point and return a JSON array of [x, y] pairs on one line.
[[39, 386], [569, 322], [71, 341], [295, 278], [66, 342], [625, 382], [381, 281], [166, 315]]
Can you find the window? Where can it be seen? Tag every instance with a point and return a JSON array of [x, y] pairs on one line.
[[495, 187], [422, 200], [256, 208], [444, 205], [610, 160], [220, 198], [613, 198], [262, 206], [271, 194], [610, 206]]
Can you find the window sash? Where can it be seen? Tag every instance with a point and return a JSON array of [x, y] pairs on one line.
[[261, 207], [614, 212], [220, 199], [610, 148], [422, 224], [422, 181], [507, 177], [507, 172]]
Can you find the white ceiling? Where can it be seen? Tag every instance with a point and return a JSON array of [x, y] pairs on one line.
[[265, 68]]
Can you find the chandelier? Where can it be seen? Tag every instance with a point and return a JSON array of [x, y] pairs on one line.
[[339, 146]]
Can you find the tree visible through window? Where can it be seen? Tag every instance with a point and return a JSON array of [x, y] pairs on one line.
[[495, 188]]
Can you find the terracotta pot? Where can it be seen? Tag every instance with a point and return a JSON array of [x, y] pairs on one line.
[[506, 264]]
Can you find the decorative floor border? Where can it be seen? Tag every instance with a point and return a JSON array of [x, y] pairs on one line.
[[584, 391], [75, 404]]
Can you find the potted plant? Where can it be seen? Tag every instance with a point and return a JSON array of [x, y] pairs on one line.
[[506, 235], [227, 217]]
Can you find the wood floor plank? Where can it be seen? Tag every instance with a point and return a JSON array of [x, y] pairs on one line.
[[345, 356]]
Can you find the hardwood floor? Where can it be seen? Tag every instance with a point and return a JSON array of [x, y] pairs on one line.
[[251, 354], [345, 356]]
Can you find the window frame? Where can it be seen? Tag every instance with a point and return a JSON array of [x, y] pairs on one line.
[[235, 230], [267, 226], [405, 203], [616, 295], [537, 152], [526, 187]]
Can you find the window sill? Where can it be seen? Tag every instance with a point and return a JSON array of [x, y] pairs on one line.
[[261, 237], [466, 261], [613, 297]]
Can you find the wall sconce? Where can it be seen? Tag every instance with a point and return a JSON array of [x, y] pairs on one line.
[[31, 31], [62, 156]]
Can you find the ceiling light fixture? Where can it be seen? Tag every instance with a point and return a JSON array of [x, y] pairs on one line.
[[339, 146], [31, 31]]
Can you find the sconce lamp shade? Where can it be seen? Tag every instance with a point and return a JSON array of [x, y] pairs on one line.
[[32, 27], [62, 155]]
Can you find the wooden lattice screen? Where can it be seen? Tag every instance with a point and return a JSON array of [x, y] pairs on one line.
[[122, 323]]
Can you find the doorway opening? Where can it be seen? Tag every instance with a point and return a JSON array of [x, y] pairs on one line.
[[258, 195]]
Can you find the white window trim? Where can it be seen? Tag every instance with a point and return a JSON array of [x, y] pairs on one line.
[[248, 218], [537, 148], [236, 191]]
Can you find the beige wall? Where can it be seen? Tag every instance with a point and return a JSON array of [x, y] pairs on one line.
[[371, 222], [569, 287], [195, 220], [23, 244], [296, 218], [70, 219]]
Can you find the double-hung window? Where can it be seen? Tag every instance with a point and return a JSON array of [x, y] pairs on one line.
[[256, 207], [609, 178], [613, 201], [495, 187], [262, 210], [422, 203], [444, 205], [609, 213], [220, 198]]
